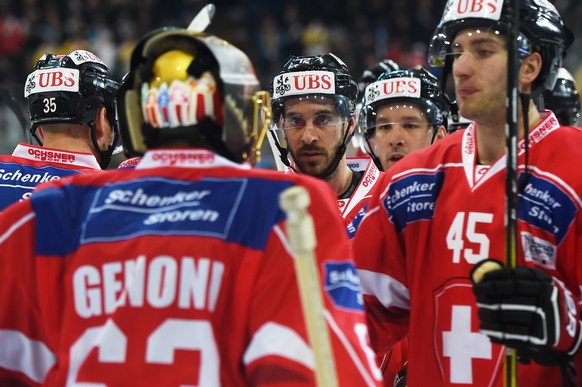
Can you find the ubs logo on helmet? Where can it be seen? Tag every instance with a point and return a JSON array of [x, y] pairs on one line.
[[372, 93], [52, 80], [304, 82], [482, 9], [393, 88]]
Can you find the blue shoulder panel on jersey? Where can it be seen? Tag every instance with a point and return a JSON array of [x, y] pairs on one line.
[[239, 210], [545, 205], [343, 285], [413, 198], [17, 181]]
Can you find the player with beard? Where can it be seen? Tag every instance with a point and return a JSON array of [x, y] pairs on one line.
[[314, 101]]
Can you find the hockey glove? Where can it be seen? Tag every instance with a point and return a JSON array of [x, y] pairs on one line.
[[526, 309]]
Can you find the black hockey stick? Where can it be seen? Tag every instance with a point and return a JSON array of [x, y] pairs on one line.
[[511, 177]]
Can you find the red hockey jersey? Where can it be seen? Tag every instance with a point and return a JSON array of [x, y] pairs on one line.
[[31, 165], [437, 213], [177, 272]]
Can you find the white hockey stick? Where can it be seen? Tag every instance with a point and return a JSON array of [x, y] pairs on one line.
[[301, 233]]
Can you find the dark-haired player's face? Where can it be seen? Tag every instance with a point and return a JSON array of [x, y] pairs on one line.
[[480, 74]]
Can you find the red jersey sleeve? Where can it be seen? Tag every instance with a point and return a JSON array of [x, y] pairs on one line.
[[279, 349], [381, 267], [25, 353]]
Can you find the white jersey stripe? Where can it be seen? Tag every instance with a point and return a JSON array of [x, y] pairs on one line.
[[386, 289], [20, 353], [274, 339]]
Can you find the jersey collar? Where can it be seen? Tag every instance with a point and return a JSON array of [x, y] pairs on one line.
[[186, 158], [49, 155]]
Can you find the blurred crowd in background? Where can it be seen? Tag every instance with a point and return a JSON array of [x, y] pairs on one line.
[[359, 32]]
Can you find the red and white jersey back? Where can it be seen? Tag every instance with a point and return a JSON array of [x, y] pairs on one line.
[[31, 165], [177, 272]]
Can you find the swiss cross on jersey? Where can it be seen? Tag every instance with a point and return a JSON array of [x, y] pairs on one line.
[[393, 88], [304, 82], [464, 355]]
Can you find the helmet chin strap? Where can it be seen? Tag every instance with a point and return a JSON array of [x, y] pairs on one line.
[[104, 155]]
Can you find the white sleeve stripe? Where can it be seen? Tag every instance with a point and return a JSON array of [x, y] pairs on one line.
[[284, 240], [278, 340], [16, 226], [350, 350], [20, 353], [386, 289]]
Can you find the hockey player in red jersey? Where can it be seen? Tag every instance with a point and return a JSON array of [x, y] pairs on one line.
[[314, 102], [440, 211], [176, 272], [402, 111], [70, 101]]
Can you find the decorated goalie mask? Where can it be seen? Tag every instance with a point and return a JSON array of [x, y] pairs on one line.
[[71, 89], [541, 30], [196, 89], [322, 79]]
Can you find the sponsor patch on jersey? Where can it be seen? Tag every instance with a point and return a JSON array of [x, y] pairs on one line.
[[393, 88], [545, 205], [538, 251], [480, 9], [161, 206], [412, 198], [60, 79], [304, 82], [343, 285]]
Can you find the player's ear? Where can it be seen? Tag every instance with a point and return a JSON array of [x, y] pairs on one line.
[[441, 133], [529, 71], [352, 126], [103, 128]]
